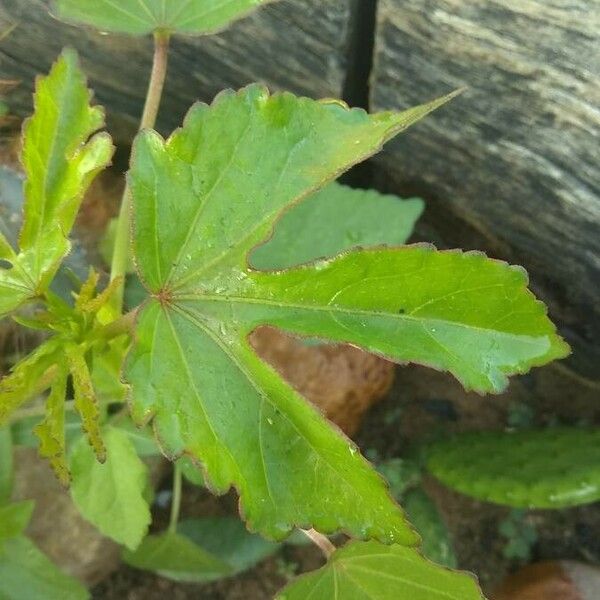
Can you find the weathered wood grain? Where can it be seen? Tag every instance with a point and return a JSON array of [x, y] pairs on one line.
[[299, 45], [513, 164]]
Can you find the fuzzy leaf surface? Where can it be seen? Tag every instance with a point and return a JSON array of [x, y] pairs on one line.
[[60, 161], [26, 570], [556, 468], [335, 219], [202, 201], [227, 175], [51, 431], [371, 571], [140, 17], [111, 495]]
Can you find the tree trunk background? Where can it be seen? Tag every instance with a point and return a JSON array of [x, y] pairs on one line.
[[299, 45], [510, 167]]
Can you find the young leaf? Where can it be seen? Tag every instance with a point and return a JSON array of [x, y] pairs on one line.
[[227, 539], [14, 518], [140, 17], [201, 202], [28, 376], [86, 402], [555, 468], [25, 572], [371, 571], [6, 464], [59, 163], [51, 431], [111, 495], [334, 220], [176, 557], [424, 515]]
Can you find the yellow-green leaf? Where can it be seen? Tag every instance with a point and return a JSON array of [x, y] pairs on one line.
[[32, 374], [51, 431], [60, 161], [86, 402]]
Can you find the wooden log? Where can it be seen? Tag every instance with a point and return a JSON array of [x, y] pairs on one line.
[[299, 45], [511, 166]]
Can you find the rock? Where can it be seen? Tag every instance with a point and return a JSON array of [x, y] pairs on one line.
[[564, 580], [510, 166], [295, 44], [342, 381]]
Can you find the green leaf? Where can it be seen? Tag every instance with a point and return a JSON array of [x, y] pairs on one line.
[[371, 571], [14, 518], [111, 495], [23, 381], [6, 464], [227, 539], [202, 200], [59, 163], [176, 557], [555, 468], [51, 432], [334, 220], [26, 570], [424, 515], [140, 17]]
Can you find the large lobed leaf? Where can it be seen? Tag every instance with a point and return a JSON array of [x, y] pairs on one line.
[[202, 201], [60, 162], [555, 468], [140, 17], [371, 571]]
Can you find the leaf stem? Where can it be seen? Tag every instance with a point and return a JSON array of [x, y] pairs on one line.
[[121, 251], [176, 501], [321, 541]]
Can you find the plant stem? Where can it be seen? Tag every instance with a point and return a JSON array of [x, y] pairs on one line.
[[121, 252], [323, 542], [176, 501]]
